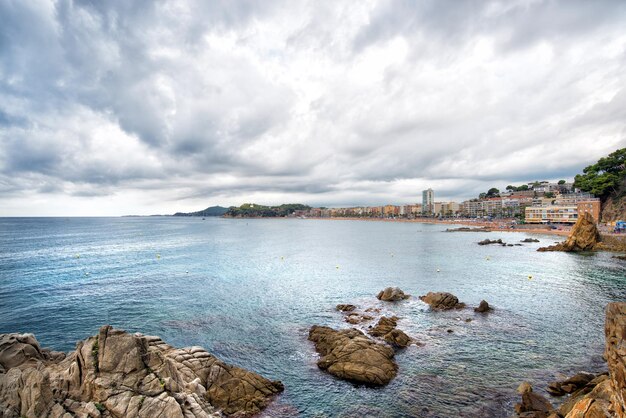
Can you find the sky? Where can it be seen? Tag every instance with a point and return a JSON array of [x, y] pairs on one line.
[[153, 107]]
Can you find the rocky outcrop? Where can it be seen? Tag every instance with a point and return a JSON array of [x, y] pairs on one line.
[[345, 307], [442, 301], [615, 354], [357, 318], [533, 405], [351, 355], [483, 307], [584, 236], [491, 241], [117, 374], [392, 294], [386, 329], [570, 385], [600, 396], [529, 240]]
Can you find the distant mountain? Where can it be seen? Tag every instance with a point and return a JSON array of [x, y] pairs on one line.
[[211, 211]]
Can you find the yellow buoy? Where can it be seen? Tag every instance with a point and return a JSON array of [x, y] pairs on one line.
[[530, 277], [336, 267], [158, 255]]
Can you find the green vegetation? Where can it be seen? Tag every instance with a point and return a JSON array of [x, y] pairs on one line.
[[210, 211], [99, 406], [94, 355], [605, 177], [521, 188], [252, 210]]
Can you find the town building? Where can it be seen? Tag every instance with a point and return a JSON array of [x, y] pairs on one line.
[[428, 202]]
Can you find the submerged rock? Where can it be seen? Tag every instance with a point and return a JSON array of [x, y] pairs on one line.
[[357, 318], [529, 240], [116, 374], [345, 307], [392, 294], [441, 301], [351, 355], [483, 307], [492, 241], [584, 236]]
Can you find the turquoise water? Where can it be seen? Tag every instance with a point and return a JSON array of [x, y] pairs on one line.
[[248, 290]]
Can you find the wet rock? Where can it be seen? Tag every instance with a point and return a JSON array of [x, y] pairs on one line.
[[483, 307], [397, 338], [345, 307], [491, 241], [620, 257], [357, 318], [116, 374], [583, 237], [384, 326], [570, 385], [532, 404], [351, 355], [392, 294], [442, 301], [529, 240]]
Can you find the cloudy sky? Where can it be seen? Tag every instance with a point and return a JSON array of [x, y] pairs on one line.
[[143, 107]]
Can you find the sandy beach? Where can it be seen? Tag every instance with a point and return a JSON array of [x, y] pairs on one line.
[[503, 225]]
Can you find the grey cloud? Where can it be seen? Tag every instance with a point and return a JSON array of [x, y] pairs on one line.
[[320, 100]]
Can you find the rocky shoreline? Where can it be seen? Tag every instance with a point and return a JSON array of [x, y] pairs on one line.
[[588, 395], [117, 374]]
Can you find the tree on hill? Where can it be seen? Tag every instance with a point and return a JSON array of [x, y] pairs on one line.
[[493, 192], [561, 182], [604, 177]]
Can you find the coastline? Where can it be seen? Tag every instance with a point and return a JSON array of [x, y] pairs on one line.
[[493, 225]]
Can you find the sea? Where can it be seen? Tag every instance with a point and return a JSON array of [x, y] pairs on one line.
[[248, 290]]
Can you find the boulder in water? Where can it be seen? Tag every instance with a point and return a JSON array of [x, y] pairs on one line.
[[351, 355], [392, 294], [442, 301], [483, 307]]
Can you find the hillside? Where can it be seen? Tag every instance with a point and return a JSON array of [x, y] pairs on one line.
[[252, 210], [210, 211], [607, 180]]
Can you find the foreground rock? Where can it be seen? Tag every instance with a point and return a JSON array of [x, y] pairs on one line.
[[392, 294], [601, 396], [533, 405], [351, 355], [442, 301], [584, 237], [116, 374], [483, 307]]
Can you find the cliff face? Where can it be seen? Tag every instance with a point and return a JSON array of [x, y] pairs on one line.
[[614, 209], [615, 353], [116, 374]]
